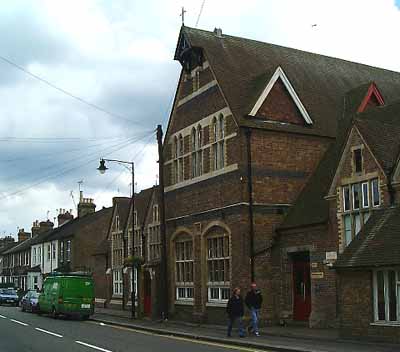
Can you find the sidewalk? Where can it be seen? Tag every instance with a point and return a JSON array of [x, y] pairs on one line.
[[293, 339]]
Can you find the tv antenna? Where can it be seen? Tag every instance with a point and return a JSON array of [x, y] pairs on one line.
[[201, 11]]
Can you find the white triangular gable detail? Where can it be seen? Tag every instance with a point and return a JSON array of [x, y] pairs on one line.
[[279, 73]]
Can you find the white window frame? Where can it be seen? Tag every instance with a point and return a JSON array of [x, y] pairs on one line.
[[365, 195], [353, 187], [184, 286], [117, 282], [222, 286], [344, 198]]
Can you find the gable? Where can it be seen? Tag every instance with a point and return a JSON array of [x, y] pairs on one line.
[[373, 98], [345, 170], [279, 106], [280, 102]]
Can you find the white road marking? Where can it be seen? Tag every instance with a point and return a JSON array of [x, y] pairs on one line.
[[3, 317], [48, 332], [19, 322], [102, 324], [92, 346]]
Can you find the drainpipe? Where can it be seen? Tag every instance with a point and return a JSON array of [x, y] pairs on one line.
[[250, 194]]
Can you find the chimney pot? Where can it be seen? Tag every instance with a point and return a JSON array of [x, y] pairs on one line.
[[218, 32]]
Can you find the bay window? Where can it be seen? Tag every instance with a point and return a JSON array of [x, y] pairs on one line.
[[357, 201]]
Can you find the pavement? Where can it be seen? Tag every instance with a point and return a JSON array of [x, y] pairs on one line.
[[284, 339]]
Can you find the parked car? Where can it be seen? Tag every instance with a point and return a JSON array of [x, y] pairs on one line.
[[9, 296], [29, 301], [67, 294]]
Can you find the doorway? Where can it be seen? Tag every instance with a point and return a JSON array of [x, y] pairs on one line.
[[301, 286], [147, 293]]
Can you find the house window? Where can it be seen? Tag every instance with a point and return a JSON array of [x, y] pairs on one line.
[[375, 192], [156, 214], [386, 295], [356, 206], [34, 256], [48, 252], [346, 198], [135, 219], [180, 159], [62, 251], [175, 157], [218, 147], [68, 251], [154, 242], [365, 195], [40, 255], [117, 282], [53, 246], [357, 155], [184, 269], [197, 153], [117, 223], [134, 281], [218, 268], [138, 243]]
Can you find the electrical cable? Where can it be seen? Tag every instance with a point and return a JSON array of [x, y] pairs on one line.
[[92, 105]]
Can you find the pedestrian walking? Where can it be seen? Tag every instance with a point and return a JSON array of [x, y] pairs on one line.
[[235, 310], [253, 302]]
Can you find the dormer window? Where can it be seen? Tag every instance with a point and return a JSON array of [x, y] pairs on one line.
[[357, 160]]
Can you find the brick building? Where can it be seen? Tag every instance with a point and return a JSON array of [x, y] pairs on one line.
[[251, 146], [147, 250]]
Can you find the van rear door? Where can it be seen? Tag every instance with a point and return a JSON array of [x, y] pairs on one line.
[[78, 291]]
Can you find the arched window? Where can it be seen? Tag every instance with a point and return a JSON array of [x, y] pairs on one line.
[[218, 266], [215, 144], [199, 160], [194, 152], [221, 143], [180, 159], [184, 260], [175, 156]]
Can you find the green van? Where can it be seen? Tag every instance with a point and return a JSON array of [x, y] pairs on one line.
[[67, 294]]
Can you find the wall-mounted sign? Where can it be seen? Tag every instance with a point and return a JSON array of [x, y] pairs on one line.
[[331, 256], [317, 275]]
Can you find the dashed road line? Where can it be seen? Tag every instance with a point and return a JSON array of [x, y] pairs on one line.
[[92, 346], [3, 317], [48, 332], [19, 322]]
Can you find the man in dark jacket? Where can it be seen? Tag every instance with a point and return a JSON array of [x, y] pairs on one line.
[[235, 310], [253, 302]]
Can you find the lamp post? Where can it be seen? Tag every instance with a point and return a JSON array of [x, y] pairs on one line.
[[102, 169]]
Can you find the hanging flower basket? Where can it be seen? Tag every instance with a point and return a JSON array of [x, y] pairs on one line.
[[136, 261]]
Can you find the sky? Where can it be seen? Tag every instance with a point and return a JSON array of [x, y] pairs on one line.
[[118, 55]]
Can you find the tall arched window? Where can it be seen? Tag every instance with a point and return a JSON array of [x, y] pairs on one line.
[[184, 268], [218, 266], [199, 160], [194, 152], [175, 156], [215, 144], [221, 143], [180, 158]]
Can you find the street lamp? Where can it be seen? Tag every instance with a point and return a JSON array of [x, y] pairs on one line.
[[102, 169]]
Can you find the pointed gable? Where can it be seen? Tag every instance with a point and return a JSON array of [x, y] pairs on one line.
[[280, 102], [373, 98]]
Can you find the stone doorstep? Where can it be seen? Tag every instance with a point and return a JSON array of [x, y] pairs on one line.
[[220, 340]]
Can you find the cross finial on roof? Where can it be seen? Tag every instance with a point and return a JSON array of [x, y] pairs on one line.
[[183, 15]]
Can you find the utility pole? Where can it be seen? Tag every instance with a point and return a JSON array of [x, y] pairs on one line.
[[164, 267]]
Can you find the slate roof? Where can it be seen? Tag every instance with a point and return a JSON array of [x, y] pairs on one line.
[[379, 126], [71, 227], [243, 67], [124, 205], [377, 244], [7, 247], [142, 202]]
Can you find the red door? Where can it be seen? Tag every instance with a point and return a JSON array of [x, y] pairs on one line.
[[147, 294], [302, 290]]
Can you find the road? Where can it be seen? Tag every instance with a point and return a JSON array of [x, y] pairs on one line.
[[25, 332]]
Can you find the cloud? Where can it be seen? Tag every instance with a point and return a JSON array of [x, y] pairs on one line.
[[119, 55]]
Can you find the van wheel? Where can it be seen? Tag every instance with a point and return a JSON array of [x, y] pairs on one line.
[[54, 314]]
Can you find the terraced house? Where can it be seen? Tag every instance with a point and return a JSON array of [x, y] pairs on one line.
[[253, 144]]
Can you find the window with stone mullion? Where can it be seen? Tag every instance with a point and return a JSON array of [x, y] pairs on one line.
[[184, 269]]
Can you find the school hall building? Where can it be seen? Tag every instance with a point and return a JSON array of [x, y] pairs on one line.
[[268, 179]]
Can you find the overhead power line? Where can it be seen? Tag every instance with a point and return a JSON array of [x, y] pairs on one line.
[[83, 101], [201, 11]]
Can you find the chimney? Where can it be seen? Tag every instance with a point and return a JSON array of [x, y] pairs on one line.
[[22, 235], [218, 32], [85, 206], [63, 217], [5, 241], [45, 226]]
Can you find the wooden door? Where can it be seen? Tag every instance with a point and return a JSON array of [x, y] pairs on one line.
[[301, 290]]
